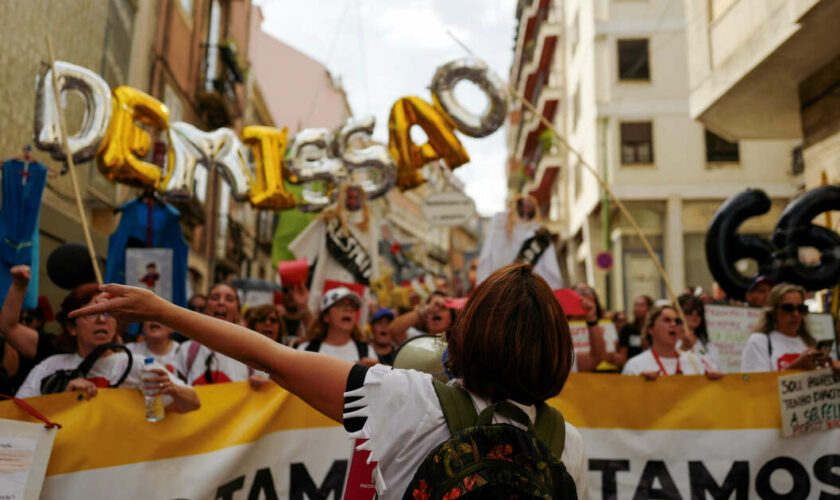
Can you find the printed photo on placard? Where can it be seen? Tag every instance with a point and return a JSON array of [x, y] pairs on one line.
[[150, 268]]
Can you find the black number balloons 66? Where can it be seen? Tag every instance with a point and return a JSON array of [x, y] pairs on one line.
[[779, 258]]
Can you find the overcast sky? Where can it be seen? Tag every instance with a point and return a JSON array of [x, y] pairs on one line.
[[386, 49]]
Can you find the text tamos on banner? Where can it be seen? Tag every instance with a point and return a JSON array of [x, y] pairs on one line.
[[268, 444]]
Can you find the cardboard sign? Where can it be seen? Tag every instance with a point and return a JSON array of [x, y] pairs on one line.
[[448, 208], [729, 328], [810, 402], [150, 268], [25, 450], [580, 335]]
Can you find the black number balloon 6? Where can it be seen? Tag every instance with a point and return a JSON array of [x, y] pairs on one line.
[[778, 259], [794, 230], [724, 246]]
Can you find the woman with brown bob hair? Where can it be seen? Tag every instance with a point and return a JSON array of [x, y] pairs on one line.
[[513, 342]]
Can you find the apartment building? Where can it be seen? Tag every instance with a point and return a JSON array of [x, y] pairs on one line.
[[615, 83]]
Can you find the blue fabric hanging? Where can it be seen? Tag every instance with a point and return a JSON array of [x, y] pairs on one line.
[[133, 233], [21, 209]]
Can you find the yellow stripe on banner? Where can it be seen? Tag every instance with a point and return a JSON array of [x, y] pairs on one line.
[[110, 430], [736, 401]]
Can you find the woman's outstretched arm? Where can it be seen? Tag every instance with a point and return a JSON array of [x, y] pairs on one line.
[[317, 379]]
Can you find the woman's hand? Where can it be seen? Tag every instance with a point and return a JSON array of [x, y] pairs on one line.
[[258, 381], [810, 359], [651, 375], [713, 374], [158, 384], [300, 296], [21, 276], [127, 304], [81, 384]]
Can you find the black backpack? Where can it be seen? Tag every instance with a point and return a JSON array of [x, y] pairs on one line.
[[58, 380], [494, 461]]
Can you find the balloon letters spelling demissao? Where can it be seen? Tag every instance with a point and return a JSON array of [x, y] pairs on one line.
[[777, 259], [115, 132]]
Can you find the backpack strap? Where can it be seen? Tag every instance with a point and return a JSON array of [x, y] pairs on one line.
[[551, 429], [314, 346], [85, 366], [457, 406], [191, 354], [362, 348]]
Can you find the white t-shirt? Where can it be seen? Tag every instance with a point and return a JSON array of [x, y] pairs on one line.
[[169, 359], [347, 352], [106, 371], [756, 356], [689, 363], [222, 368], [312, 244], [500, 250], [404, 422]]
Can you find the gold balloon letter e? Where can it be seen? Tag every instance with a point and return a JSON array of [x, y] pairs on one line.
[[125, 142]]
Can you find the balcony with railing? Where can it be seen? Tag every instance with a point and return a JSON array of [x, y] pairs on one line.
[[530, 38], [217, 97]]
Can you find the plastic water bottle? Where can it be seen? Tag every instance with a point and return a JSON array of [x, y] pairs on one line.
[[154, 404]]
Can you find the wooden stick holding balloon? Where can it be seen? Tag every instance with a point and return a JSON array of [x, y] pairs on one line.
[[72, 166], [626, 213]]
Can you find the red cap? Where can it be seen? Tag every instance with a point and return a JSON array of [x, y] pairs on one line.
[[570, 301]]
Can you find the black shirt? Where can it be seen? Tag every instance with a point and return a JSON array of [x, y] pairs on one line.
[[630, 338]]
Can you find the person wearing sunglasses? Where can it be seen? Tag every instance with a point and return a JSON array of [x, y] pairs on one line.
[[782, 340], [664, 329], [266, 320]]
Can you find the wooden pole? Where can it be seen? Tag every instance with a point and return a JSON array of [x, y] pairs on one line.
[[626, 213], [71, 166]]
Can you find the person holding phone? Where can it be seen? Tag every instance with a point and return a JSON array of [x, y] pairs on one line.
[[782, 340]]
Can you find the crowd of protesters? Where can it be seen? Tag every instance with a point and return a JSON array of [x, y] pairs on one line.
[[652, 342]]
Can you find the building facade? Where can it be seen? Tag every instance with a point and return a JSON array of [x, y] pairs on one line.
[[190, 54], [619, 73], [769, 70]]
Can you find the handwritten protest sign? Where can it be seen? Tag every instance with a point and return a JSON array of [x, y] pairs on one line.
[[729, 328], [810, 402]]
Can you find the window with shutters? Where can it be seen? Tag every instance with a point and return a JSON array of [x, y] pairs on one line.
[[636, 143]]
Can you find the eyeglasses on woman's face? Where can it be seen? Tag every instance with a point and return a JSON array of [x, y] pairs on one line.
[[789, 308], [270, 320]]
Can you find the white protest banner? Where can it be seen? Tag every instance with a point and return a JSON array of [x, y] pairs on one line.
[[678, 437], [810, 402]]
